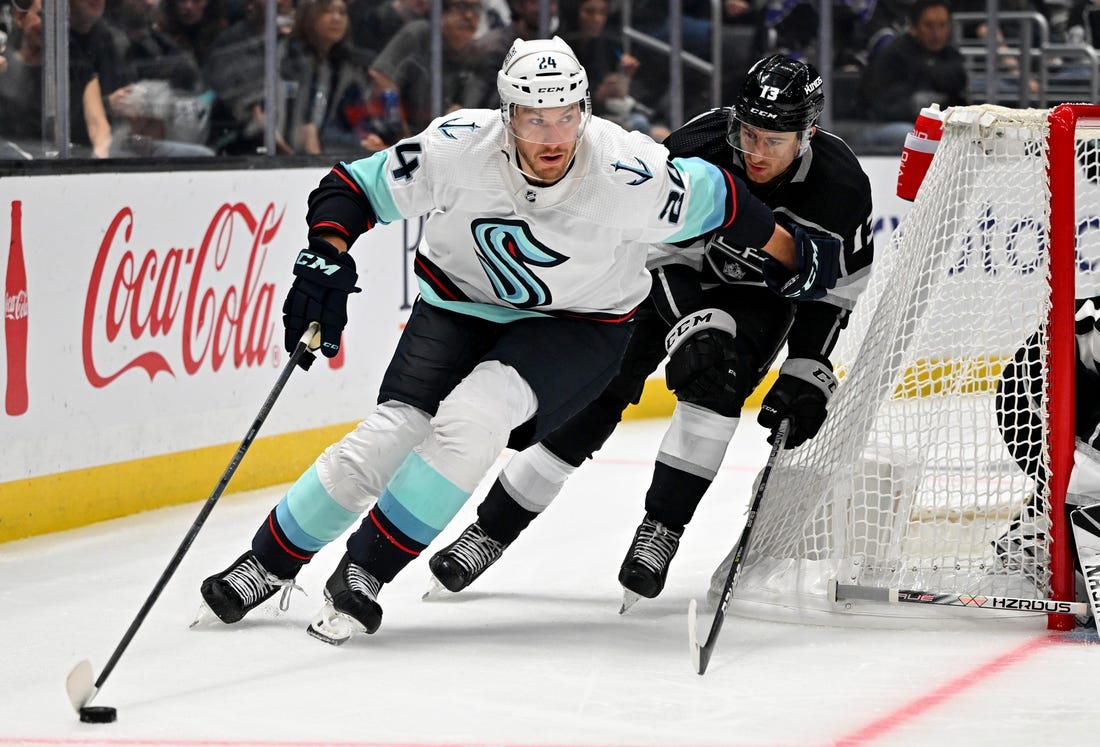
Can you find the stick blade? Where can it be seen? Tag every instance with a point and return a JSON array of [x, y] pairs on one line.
[[80, 685]]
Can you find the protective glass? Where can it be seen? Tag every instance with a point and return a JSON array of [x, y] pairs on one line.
[[760, 143], [561, 125]]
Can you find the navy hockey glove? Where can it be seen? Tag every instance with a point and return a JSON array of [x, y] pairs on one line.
[[801, 393], [323, 279], [702, 364], [817, 256]]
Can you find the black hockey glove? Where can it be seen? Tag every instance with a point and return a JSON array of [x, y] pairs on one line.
[[801, 393], [323, 279], [702, 364], [817, 256]]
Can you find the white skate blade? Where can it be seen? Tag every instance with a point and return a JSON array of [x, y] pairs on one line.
[[434, 590], [629, 599], [204, 617], [80, 685], [332, 627]]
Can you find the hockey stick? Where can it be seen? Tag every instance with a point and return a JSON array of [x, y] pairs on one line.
[[700, 655], [839, 592], [79, 683]]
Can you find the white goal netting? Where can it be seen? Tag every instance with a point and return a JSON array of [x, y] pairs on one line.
[[910, 483]]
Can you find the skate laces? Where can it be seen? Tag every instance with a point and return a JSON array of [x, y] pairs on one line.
[[475, 549], [252, 583], [361, 582], [655, 545]]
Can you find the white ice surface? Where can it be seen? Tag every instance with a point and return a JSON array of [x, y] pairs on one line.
[[535, 653]]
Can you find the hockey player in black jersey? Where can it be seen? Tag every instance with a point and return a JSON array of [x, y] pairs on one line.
[[724, 329]]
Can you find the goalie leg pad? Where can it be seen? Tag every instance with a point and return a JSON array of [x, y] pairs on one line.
[[1086, 534]]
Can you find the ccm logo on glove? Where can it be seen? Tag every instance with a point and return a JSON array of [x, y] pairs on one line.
[[323, 280], [315, 262]]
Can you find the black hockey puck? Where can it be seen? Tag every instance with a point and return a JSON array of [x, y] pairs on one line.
[[98, 714]]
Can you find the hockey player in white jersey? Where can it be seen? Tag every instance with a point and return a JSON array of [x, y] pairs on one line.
[[530, 271], [813, 180]]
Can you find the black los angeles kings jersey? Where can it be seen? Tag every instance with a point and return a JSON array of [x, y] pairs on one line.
[[824, 190]]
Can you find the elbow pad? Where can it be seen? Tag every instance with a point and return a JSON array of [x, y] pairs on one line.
[[339, 206]]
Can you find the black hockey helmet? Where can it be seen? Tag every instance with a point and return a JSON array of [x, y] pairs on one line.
[[781, 95]]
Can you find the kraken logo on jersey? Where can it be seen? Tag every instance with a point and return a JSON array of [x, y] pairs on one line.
[[506, 249]]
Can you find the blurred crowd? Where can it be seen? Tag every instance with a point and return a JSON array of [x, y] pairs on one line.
[[186, 77]]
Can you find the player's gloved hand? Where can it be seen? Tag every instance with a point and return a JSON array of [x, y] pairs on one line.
[[702, 365], [817, 256], [802, 394], [323, 279]]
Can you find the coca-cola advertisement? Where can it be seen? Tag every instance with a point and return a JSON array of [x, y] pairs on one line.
[[142, 315]]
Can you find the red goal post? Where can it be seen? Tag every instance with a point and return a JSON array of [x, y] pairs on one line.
[[911, 484], [1062, 170]]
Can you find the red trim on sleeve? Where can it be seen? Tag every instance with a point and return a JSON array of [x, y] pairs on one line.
[[350, 183], [330, 224], [731, 189]]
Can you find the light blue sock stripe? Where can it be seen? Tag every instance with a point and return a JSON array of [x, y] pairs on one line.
[[420, 501], [309, 516], [409, 525]]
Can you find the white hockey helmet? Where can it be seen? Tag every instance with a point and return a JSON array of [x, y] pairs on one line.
[[542, 73]]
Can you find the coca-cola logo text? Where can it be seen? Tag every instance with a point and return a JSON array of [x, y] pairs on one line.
[[15, 305], [209, 300]]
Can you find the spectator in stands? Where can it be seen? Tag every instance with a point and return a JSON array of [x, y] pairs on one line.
[[163, 111], [796, 26], [494, 44], [494, 14], [21, 96], [404, 65], [609, 68], [235, 71], [1084, 23], [917, 69], [92, 42], [375, 25], [886, 20], [742, 43], [193, 25], [327, 111]]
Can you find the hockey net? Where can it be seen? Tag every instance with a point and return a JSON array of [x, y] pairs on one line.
[[909, 484]]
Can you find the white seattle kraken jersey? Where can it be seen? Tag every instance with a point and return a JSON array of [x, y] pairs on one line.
[[498, 247]]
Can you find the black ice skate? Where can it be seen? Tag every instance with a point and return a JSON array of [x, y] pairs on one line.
[[351, 604], [460, 563], [242, 587], [645, 566]]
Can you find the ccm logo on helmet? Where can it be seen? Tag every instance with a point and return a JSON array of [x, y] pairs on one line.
[[551, 89]]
